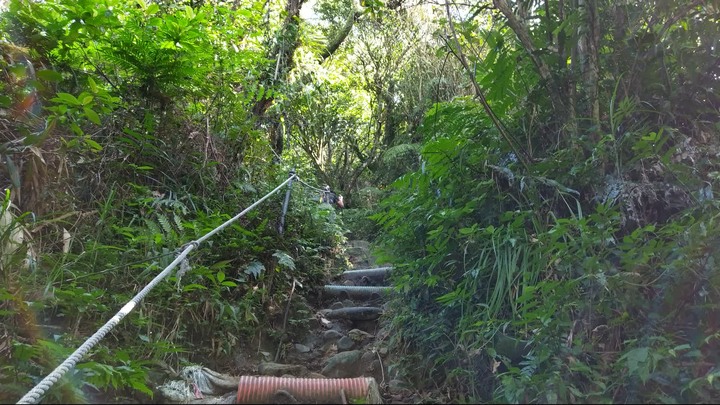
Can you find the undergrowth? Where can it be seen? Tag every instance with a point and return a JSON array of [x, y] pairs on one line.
[[519, 288]]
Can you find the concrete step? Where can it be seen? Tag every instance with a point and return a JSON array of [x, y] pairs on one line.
[[356, 292], [353, 313], [379, 272]]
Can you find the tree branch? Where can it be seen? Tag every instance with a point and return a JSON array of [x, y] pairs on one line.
[[523, 34], [344, 32], [519, 151]]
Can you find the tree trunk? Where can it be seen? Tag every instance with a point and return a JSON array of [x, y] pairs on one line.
[[523, 34], [282, 53], [591, 70], [344, 32]]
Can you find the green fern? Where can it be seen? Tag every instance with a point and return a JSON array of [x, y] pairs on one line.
[[402, 151], [178, 224], [165, 223], [152, 226]]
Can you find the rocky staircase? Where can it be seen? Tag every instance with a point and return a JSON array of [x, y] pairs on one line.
[[340, 360]]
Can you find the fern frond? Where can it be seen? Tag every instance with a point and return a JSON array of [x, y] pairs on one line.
[[152, 226], [402, 151], [178, 224], [165, 223]]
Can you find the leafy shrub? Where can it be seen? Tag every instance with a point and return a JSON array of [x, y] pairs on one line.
[[542, 296]]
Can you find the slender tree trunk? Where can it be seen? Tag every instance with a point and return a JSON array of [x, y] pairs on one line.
[[571, 73], [592, 68], [523, 34], [335, 43], [282, 53]]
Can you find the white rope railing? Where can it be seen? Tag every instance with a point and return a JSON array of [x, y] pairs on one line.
[[35, 394]]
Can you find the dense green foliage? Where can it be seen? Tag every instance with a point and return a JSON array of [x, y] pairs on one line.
[[542, 175], [588, 274], [137, 141]]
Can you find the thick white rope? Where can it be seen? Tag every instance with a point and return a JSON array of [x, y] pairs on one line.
[[35, 394], [245, 211], [309, 186]]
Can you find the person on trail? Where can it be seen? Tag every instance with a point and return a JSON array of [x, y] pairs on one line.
[[329, 197]]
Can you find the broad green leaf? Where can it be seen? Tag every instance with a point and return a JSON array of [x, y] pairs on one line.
[[637, 362], [191, 287], [91, 115], [152, 9], [93, 145], [85, 98], [76, 129], [189, 13], [467, 231], [140, 386], [92, 84], [19, 70], [49, 75], [66, 98]]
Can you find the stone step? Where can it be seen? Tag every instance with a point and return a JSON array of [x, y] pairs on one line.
[[356, 292], [380, 272], [353, 313]]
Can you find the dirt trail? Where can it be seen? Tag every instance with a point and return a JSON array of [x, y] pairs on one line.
[[345, 340]]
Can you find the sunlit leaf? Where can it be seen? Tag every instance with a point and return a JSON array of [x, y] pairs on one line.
[[49, 75], [91, 115]]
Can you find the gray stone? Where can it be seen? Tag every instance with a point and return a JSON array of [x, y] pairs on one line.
[[312, 340], [366, 326], [383, 351], [301, 348], [315, 375], [331, 335], [345, 343], [344, 365], [348, 303], [368, 358], [358, 335], [314, 323], [336, 305], [276, 370], [355, 313]]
